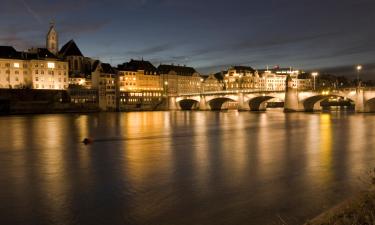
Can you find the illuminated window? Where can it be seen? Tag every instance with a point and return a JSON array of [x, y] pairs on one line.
[[16, 65], [51, 65]]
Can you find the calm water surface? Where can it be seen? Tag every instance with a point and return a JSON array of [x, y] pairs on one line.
[[177, 168]]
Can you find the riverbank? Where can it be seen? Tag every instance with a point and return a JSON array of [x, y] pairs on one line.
[[357, 210]]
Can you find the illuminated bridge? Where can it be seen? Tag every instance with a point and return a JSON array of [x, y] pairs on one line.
[[256, 100]]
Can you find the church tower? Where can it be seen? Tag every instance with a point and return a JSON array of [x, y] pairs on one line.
[[52, 41]]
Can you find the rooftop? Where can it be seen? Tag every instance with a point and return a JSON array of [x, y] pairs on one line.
[[179, 70]]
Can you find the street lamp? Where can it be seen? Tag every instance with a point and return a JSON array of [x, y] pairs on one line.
[[359, 68], [314, 74], [201, 85], [166, 93], [166, 87]]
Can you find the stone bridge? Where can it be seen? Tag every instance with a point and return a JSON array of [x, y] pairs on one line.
[[255, 100]]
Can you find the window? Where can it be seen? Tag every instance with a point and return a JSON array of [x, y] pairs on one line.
[[36, 71], [7, 64], [16, 65], [51, 65]]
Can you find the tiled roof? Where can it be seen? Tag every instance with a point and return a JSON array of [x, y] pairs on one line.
[[38, 53], [107, 68], [179, 70], [70, 49], [135, 65], [9, 52]]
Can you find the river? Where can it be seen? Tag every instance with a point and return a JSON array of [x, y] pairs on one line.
[[181, 168]]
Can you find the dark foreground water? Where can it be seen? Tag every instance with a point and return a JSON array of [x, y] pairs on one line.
[[177, 168]]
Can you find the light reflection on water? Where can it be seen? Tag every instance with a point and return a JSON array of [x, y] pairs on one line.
[[180, 167]]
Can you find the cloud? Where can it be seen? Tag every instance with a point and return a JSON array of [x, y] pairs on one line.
[[31, 11], [367, 73], [152, 50]]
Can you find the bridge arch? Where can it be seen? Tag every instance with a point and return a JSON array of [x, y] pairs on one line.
[[370, 105], [217, 103], [311, 103], [188, 104], [259, 103]]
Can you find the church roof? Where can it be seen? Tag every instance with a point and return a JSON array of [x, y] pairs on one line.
[[179, 70], [70, 49], [52, 28]]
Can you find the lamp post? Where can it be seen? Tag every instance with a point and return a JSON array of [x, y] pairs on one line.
[[166, 92], [314, 74], [359, 68], [201, 86]]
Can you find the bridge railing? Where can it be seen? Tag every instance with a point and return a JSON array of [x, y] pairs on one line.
[[253, 90], [264, 90]]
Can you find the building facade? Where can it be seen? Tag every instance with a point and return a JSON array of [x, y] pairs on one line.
[[139, 84], [36, 69], [211, 84], [242, 78], [180, 79]]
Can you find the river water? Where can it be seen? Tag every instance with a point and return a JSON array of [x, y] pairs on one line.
[[181, 168]]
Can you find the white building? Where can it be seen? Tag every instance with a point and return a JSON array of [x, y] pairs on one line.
[[38, 68]]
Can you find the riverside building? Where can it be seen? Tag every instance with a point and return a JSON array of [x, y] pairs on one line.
[[105, 80], [140, 86], [243, 77], [37, 68], [180, 79]]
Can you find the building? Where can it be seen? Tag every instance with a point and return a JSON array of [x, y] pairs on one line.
[[80, 67], [179, 79], [52, 40], [139, 84], [212, 83], [276, 78], [243, 77], [37, 68], [105, 80]]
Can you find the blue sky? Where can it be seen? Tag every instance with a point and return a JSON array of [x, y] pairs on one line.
[[209, 35]]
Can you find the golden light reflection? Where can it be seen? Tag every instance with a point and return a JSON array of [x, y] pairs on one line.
[[147, 146], [326, 146], [82, 127], [201, 152]]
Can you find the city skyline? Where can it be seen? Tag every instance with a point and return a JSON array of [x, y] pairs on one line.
[[209, 36]]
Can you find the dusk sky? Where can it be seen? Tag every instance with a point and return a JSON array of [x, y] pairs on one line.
[[208, 35]]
